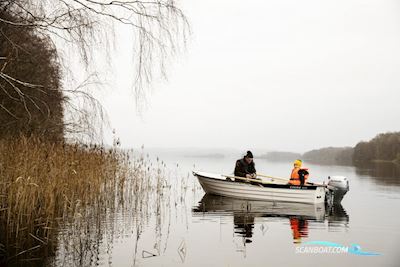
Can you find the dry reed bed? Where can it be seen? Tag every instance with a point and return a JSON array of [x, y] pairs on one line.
[[43, 185]]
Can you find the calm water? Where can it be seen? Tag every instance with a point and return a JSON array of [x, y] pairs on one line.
[[185, 227]]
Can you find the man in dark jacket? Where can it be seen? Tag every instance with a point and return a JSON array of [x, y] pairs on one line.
[[245, 167]]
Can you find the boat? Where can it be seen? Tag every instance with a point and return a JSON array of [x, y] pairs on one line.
[[258, 189]]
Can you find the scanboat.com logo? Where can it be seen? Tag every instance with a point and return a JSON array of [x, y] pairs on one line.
[[330, 247]]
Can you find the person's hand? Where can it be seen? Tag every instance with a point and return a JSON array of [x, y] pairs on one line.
[[248, 175], [253, 175]]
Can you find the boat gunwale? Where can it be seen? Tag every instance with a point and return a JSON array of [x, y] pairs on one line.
[[271, 185]]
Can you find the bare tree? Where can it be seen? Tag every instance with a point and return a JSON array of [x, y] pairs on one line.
[[160, 29]]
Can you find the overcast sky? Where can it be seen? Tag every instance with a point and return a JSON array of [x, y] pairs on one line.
[[270, 75]]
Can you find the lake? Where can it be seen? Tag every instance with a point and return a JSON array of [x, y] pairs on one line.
[[184, 227]]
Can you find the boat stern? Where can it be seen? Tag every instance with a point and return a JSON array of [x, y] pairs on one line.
[[338, 186]]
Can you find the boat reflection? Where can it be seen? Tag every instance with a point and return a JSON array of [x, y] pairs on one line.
[[299, 228], [299, 215]]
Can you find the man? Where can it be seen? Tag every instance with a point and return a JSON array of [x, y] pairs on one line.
[[245, 167], [299, 175]]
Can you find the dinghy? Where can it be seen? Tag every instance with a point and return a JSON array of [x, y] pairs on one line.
[[258, 189]]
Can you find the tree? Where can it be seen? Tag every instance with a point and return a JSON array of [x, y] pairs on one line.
[[383, 147], [160, 28], [34, 107]]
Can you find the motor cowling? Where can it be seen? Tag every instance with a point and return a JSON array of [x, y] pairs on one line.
[[339, 186]]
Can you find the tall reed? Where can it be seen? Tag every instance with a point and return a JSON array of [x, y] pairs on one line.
[[45, 185]]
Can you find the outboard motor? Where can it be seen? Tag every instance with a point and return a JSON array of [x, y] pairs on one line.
[[338, 186]]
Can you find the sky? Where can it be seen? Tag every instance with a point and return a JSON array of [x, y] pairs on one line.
[[268, 75]]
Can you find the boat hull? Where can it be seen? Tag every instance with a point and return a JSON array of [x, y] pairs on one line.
[[218, 185]]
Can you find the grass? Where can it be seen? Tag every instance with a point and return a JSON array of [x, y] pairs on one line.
[[44, 185]]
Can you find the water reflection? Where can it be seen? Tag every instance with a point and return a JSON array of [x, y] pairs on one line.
[[298, 215], [299, 228], [385, 173], [337, 218], [244, 224]]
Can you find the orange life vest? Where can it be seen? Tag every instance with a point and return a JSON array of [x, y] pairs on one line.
[[295, 176]]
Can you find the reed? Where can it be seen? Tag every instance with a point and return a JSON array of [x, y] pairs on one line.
[[45, 185]]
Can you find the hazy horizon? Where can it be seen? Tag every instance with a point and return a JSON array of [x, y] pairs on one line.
[[199, 151]]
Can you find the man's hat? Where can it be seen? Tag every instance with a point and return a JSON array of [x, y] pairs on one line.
[[249, 154]]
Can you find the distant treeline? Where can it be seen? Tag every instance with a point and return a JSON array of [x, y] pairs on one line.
[[210, 155], [330, 155], [281, 156], [384, 147]]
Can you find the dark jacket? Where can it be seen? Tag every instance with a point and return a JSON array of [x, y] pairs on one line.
[[242, 168]]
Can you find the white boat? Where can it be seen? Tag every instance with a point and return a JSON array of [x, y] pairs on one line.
[[228, 186]]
